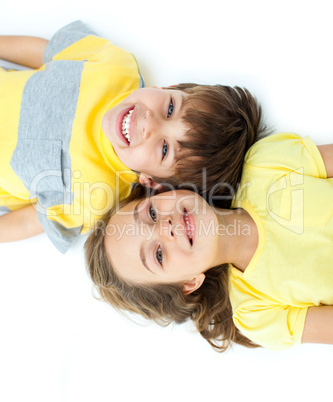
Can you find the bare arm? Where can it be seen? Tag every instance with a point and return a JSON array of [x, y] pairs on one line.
[[19, 224], [327, 155], [318, 325], [24, 50]]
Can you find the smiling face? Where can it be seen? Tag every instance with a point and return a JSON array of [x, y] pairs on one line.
[[169, 238], [144, 130]]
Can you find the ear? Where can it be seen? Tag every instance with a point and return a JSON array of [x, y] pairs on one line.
[[194, 284], [149, 182]]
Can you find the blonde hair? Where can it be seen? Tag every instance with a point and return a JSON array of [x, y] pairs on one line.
[[208, 307]]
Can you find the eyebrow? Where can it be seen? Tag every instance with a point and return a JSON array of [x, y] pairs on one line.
[[176, 152], [176, 149], [136, 213], [142, 253]]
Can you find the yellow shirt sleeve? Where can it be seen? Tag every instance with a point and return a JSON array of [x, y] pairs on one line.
[[288, 152], [263, 319], [75, 41], [272, 326]]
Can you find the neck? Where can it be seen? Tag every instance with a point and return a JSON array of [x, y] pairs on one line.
[[237, 237]]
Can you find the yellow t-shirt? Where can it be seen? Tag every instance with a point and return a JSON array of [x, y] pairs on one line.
[[285, 189], [53, 150]]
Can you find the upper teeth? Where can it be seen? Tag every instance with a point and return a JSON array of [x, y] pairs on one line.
[[126, 125], [188, 226]]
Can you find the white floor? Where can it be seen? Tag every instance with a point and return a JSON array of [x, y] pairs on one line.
[[57, 343]]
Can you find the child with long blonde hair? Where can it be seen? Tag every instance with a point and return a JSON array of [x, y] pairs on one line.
[[259, 273]]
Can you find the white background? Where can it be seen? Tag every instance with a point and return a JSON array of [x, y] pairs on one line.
[[57, 343]]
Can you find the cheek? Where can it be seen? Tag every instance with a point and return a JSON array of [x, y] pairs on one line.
[[143, 156]]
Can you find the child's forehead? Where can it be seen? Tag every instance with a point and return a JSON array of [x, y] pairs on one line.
[[192, 101]]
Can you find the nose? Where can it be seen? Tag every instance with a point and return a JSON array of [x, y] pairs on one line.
[[166, 229], [149, 124]]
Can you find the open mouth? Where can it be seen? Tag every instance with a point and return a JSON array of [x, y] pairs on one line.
[[189, 227], [126, 126]]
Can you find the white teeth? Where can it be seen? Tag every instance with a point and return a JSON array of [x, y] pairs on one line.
[[126, 125], [188, 227]]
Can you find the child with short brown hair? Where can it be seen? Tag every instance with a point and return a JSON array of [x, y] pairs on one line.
[[77, 128]]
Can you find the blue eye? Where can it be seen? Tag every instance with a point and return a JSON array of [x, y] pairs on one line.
[[159, 255], [152, 213], [164, 150], [170, 110]]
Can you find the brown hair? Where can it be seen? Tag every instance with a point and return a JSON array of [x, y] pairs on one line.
[[208, 307], [224, 122]]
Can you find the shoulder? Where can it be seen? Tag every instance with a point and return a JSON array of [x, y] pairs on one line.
[[281, 142], [263, 319], [76, 41], [286, 152]]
